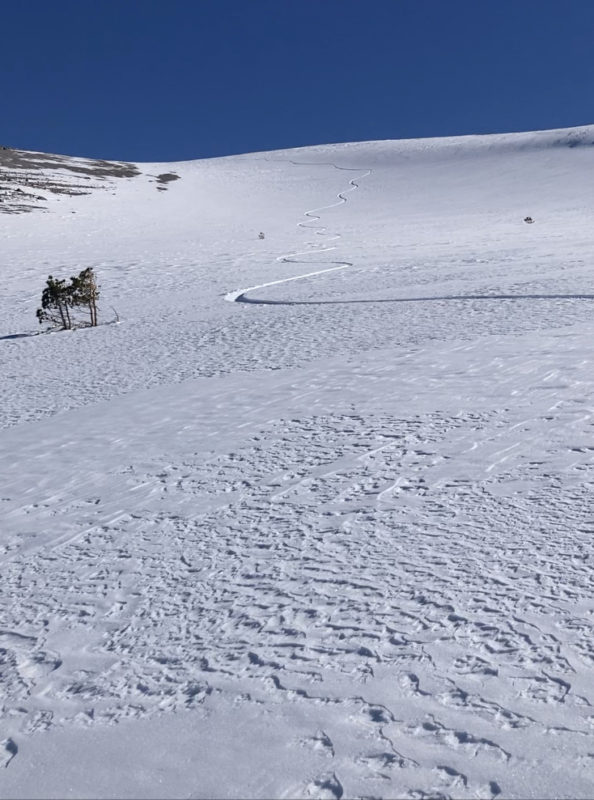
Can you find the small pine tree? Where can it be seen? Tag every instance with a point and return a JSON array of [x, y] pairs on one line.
[[85, 292], [56, 301]]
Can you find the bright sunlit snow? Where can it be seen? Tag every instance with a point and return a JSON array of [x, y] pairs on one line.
[[314, 519]]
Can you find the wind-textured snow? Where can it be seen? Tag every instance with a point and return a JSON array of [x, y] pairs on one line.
[[315, 518]]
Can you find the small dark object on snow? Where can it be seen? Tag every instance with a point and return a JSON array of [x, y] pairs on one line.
[[529, 220], [260, 235]]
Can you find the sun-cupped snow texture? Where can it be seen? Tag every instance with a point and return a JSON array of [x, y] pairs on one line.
[[333, 540]]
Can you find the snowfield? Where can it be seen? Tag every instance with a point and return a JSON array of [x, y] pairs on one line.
[[315, 518]]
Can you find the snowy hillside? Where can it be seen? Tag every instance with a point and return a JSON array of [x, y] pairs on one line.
[[314, 519]]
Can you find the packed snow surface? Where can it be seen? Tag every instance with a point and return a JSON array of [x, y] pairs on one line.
[[315, 518]]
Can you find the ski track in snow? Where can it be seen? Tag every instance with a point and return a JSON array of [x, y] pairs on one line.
[[239, 296], [389, 550]]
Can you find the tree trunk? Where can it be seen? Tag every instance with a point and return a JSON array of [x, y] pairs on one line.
[[65, 325]]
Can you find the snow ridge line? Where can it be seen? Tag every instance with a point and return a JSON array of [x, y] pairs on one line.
[[239, 295]]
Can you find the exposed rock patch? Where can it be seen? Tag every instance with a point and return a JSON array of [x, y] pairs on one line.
[[164, 178], [23, 174]]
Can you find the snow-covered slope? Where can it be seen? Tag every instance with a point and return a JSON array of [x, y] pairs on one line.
[[314, 518]]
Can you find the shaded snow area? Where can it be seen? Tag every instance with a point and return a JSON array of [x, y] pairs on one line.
[[315, 518]]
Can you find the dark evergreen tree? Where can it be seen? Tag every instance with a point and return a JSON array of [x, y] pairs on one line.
[[85, 292], [56, 301]]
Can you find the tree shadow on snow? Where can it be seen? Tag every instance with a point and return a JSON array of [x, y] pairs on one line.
[[17, 336]]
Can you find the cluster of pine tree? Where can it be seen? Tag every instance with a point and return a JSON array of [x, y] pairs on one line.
[[62, 302]]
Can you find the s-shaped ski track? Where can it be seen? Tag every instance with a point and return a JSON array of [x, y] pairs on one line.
[[239, 295]]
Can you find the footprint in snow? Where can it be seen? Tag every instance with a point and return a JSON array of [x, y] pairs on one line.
[[321, 743], [8, 751], [325, 787]]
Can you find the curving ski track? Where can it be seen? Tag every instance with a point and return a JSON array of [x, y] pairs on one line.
[[239, 295]]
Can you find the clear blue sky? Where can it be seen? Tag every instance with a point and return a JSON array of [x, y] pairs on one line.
[[178, 79]]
